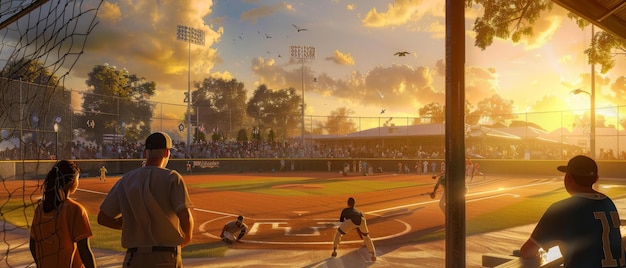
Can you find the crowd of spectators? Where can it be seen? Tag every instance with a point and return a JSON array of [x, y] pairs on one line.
[[288, 149]]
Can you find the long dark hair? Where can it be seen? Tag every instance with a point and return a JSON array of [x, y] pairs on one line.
[[62, 173]]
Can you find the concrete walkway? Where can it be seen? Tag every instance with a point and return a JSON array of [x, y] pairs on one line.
[[431, 254]]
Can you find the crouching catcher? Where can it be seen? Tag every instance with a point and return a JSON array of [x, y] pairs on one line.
[[234, 231]]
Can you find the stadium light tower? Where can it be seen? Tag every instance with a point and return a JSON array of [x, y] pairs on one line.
[[302, 53], [195, 36]]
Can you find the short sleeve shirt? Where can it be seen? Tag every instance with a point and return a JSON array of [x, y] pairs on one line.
[[56, 232], [148, 199], [586, 229], [352, 214]]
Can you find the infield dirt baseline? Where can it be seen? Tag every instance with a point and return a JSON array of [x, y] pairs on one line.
[[388, 222], [324, 227]]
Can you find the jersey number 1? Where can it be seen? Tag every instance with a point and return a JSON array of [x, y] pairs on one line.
[[608, 260]]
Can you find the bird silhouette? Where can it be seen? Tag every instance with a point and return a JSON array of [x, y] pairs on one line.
[[382, 111], [401, 53], [298, 28], [267, 36]]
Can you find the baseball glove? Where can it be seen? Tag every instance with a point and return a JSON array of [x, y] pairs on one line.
[[432, 195]]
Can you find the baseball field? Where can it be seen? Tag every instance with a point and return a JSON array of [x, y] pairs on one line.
[[294, 210]]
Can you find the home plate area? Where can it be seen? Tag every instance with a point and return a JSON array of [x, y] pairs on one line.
[[301, 233]]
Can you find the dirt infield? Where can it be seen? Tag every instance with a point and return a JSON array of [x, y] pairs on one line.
[[302, 216], [308, 221]]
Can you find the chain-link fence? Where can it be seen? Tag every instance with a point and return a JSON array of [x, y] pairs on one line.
[[82, 125]]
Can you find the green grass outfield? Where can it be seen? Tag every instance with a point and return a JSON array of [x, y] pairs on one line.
[[527, 211]]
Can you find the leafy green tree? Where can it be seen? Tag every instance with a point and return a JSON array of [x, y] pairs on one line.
[[602, 48], [118, 103], [514, 19], [278, 110], [431, 113], [506, 19], [242, 135], [216, 136], [32, 98], [494, 109], [219, 103], [339, 121], [30, 71]]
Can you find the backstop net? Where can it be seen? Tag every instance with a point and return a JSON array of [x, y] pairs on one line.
[[42, 40]]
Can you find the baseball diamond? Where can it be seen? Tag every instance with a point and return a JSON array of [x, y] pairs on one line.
[[299, 210]]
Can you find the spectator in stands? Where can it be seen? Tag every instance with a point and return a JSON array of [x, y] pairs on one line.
[[585, 226]]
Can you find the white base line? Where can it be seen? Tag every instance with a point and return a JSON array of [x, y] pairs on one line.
[[375, 212]]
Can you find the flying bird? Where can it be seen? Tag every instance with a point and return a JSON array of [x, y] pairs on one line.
[[401, 53], [298, 28], [382, 111]]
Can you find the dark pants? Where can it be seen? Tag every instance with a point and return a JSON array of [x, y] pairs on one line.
[[153, 257]]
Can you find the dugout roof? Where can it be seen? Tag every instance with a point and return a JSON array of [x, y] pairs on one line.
[[610, 15]]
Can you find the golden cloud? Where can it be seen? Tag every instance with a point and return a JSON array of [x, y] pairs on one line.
[[109, 13], [264, 11], [341, 58]]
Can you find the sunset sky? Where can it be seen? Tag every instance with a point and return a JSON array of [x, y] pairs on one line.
[[355, 42]]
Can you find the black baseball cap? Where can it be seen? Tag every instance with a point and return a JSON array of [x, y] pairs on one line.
[[580, 165], [240, 218], [158, 140]]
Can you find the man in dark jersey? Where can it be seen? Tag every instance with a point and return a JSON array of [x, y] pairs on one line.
[[585, 226], [352, 218]]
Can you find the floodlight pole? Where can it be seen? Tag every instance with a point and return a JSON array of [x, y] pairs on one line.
[[196, 36], [302, 53]]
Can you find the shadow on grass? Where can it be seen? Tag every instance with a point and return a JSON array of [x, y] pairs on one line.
[[205, 250]]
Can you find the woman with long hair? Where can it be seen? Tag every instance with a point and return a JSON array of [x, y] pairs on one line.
[[60, 232]]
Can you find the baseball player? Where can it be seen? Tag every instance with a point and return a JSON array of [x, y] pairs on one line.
[[477, 171], [352, 218], [188, 166], [585, 226], [103, 173], [234, 231], [469, 169], [440, 181]]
